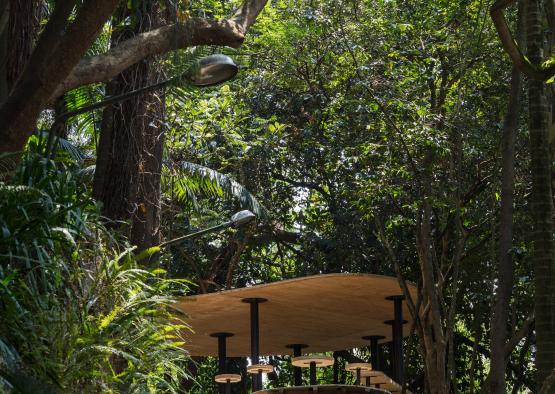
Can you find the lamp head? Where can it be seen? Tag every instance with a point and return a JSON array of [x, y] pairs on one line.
[[242, 217], [212, 70]]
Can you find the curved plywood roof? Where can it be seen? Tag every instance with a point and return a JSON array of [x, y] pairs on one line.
[[327, 312]]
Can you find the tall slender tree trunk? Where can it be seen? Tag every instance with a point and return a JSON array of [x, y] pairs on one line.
[[496, 379], [433, 335], [129, 157], [500, 316], [541, 200]]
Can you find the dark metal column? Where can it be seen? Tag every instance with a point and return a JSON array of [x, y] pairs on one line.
[[335, 368], [357, 380], [255, 339], [398, 362], [222, 358], [375, 351], [297, 371], [313, 373]]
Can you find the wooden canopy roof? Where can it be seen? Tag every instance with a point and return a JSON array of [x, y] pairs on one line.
[[326, 312]]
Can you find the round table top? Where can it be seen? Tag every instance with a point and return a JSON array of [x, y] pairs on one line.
[[227, 377], [319, 360], [327, 312], [260, 368], [353, 367]]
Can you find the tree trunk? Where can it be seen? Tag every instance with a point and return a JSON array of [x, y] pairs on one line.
[[129, 157], [433, 336], [500, 317], [57, 52], [541, 201], [505, 268], [19, 26]]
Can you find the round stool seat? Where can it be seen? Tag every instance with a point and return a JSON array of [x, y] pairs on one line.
[[227, 378], [260, 368], [319, 359], [353, 367]]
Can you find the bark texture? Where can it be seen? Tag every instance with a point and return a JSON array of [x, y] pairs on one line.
[[19, 24], [541, 200], [541, 166], [57, 52], [129, 157]]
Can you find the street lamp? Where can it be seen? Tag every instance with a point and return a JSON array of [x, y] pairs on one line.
[[208, 71], [212, 70], [237, 220]]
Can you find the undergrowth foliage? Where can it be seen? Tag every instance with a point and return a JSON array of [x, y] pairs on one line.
[[78, 312]]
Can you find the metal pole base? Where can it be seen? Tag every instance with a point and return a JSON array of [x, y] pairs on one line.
[[313, 373]]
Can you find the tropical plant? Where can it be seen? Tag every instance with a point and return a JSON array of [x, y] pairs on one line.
[[78, 313]]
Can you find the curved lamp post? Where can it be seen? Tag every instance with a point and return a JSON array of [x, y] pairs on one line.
[[237, 220], [208, 71]]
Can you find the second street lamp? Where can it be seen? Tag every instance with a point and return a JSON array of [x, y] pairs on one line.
[[237, 220]]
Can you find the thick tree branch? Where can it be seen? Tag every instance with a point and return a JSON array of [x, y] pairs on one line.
[[66, 69], [522, 333], [246, 15], [195, 31], [18, 114], [510, 46], [308, 185]]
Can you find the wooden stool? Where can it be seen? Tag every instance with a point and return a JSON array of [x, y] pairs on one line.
[[312, 362], [356, 368], [371, 376], [227, 379]]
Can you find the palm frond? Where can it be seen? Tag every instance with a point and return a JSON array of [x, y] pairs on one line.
[[191, 180], [74, 152]]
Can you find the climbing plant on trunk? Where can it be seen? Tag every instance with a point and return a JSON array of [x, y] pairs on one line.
[[129, 157]]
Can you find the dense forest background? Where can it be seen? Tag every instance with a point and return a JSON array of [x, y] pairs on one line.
[[374, 136]]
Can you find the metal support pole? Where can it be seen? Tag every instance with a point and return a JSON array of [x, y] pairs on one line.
[[297, 371], [357, 381], [398, 362], [222, 358], [255, 339], [375, 351], [228, 387], [313, 373], [335, 368]]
